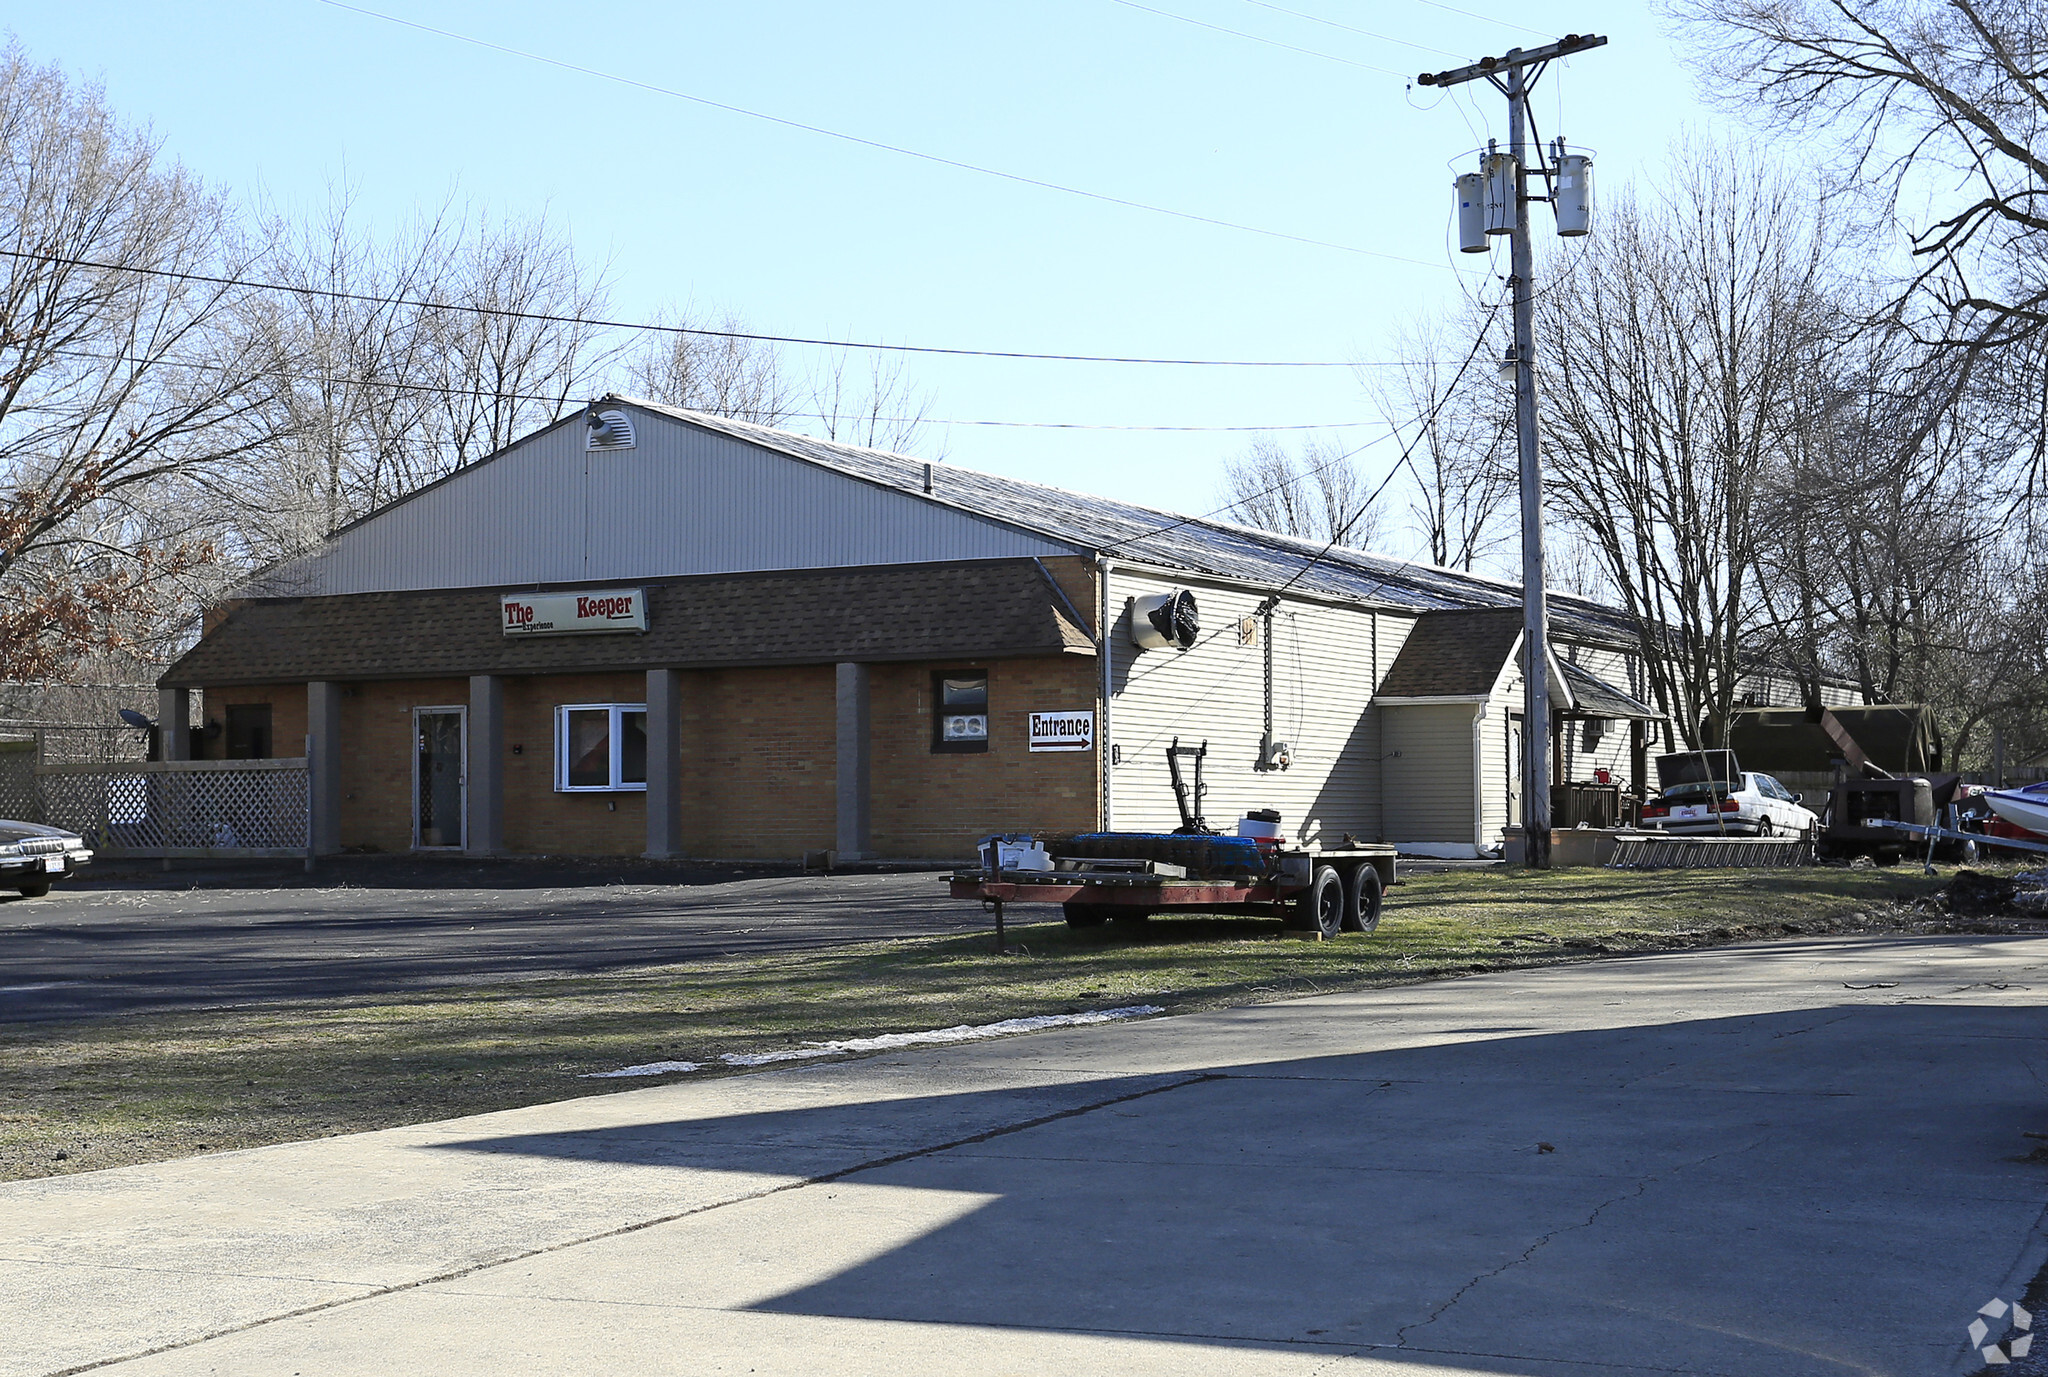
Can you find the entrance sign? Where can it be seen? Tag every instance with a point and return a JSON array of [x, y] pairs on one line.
[[1062, 731], [566, 614]]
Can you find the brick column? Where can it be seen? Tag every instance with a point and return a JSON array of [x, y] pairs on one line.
[[852, 782], [323, 757], [174, 724], [664, 763], [484, 828]]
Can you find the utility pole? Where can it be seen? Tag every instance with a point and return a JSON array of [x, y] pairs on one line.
[[1515, 74]]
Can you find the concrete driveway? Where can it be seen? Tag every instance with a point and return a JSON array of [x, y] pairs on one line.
[[92, 950], [1795, 1158]]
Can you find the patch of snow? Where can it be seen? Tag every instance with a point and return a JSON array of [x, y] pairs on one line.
[[965, 1032], [652, 1068]]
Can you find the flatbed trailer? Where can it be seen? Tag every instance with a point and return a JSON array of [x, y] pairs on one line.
[[1309, 889]]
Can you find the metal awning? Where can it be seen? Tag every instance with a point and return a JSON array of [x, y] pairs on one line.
[[1595, 697]]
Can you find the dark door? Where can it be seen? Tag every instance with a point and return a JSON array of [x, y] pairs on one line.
[[438, 782]]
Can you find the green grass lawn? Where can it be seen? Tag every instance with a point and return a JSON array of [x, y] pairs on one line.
[[86, 1095]]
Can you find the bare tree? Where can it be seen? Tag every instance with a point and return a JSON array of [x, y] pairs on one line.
[[117, 369], [1877, 566], [1669, 371], [402, 357], [719, 370], [1942, 106], [1317, 495], [350, 356], [515, 341], [1460, 440], [879, 407]]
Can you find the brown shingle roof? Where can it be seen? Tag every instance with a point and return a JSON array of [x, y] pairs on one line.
[[983, 609], [1453, 654]]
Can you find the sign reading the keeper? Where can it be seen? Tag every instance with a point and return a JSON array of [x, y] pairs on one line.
[[1062, 731], [568, 614]]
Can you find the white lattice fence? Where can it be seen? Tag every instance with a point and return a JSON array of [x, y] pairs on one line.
[[181, 807], [18, 781]]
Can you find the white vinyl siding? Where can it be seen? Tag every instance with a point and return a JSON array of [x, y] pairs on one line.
[[1611, 753], [1571, 761], [1496, 771], [1429, 772], [1324, 673]]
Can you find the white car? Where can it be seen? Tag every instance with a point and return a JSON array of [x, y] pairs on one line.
[[1706, 794]]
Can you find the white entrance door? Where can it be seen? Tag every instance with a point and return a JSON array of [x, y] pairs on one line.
[[440, 777], [1513, 766]]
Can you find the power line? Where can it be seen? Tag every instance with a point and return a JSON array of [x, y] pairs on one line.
[[876, 143], [1352, 28], [371, 298], [1255, 38], [1482, 18], [1478, 343], [561, 399], [1273, 599]]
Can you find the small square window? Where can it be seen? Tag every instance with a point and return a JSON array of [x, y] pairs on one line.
[[601, 747], [960, 711], [248, 731]]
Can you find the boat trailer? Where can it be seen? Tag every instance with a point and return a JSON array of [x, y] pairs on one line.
[[1097, 876], [1935, 834]]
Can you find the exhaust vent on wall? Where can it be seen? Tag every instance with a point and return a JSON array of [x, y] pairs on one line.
[[1165, 619], [608, 430]]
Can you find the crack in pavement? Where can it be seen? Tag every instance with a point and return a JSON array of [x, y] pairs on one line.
[[1642, 1186]]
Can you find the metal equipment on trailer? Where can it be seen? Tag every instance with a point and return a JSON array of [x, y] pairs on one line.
[[1099, 876]]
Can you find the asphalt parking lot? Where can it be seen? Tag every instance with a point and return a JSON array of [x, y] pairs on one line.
[[157, 940]]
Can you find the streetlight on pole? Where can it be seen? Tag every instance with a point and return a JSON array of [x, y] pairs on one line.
[[1506, 187]]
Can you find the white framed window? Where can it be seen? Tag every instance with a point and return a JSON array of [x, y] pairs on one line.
[[601, 748]]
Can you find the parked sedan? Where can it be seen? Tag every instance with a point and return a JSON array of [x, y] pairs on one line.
[[32, 856], [1758, 807]]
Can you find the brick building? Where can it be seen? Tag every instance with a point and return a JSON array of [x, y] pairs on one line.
[[647, 630]]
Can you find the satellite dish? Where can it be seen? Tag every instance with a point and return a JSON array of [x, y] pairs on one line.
[[136, 719]]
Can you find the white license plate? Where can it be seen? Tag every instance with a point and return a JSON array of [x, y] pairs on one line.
[[54, 863]]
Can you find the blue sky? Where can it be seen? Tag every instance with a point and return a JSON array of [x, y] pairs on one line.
[[807, 235]]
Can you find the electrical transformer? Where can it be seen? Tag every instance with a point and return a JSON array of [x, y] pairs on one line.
[[1574, 194], [1471, 191]]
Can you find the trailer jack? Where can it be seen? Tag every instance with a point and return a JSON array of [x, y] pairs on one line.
[[1192, 823]]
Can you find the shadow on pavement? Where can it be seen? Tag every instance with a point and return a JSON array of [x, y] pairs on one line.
[[1825, 1191]]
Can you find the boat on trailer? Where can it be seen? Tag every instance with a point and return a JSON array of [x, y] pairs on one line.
[[2026, 807]]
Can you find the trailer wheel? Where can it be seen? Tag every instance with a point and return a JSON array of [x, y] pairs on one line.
[[1363, 894], [1085, 915], [1321, 905], [1125, 913]]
